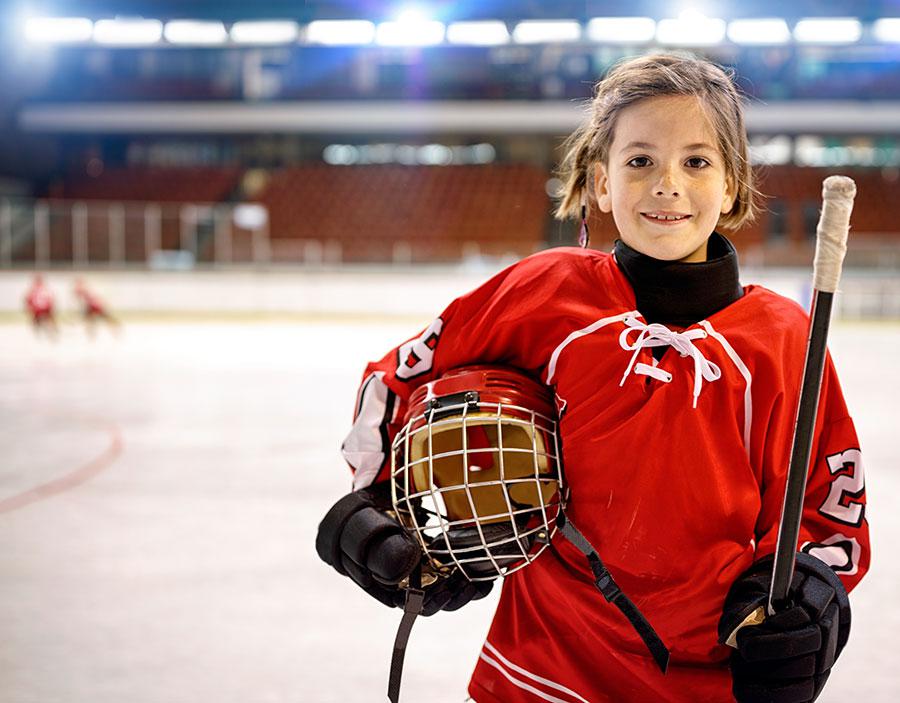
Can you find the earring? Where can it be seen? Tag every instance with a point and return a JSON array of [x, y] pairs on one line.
[[584, 236]]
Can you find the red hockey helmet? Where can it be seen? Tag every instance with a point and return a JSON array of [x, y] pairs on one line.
[[476, 474]]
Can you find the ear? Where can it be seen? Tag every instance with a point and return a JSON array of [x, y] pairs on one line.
[[601, 188], [728, 197]]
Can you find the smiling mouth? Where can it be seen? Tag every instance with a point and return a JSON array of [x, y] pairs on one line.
[[665, 219]]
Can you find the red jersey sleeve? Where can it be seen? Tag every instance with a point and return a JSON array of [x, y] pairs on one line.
[[834, 526], [506, 320]]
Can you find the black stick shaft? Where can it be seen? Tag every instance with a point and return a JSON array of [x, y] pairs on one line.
[[804, 428]]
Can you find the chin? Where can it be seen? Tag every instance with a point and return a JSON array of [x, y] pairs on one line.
[[675, 244], [663, 253], [672, 250]]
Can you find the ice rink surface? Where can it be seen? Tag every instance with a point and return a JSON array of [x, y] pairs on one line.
[[160, 492]]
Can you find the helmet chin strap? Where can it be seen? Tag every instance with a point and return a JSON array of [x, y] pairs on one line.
[[415, 598], [475, 476], [613, 594]]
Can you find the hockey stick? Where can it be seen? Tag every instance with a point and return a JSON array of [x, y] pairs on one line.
[[831, 245]]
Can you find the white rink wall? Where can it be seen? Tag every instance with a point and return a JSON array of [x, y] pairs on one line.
[[368, 291]]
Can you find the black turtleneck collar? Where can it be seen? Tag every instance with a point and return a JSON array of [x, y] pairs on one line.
[[680, 294]]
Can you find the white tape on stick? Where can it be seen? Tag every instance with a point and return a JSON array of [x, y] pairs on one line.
[[831, 234]]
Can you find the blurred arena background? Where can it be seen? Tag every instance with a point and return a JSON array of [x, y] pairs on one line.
[[266, 195]]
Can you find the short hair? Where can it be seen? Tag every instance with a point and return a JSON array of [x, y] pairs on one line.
[[654, 75]]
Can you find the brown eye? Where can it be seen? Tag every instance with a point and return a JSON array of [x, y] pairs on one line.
[[639, 162], [697, 162]]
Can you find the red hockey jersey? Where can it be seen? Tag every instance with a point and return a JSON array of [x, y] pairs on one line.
[[39, 300], [676, 469]]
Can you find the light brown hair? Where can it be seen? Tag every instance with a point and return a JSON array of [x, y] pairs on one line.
[[649, 76]]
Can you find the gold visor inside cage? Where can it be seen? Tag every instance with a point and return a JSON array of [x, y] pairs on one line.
[[482, 466], [478, 484]]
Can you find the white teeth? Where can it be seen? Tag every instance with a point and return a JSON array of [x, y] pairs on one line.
[[667, 217]]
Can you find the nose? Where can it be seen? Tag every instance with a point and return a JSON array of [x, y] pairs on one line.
[[667, 185]]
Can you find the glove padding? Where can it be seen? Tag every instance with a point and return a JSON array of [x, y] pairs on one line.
[[788, 657], [361, 540]]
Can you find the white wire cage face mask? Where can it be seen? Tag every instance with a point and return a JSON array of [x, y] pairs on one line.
[[476, 473]]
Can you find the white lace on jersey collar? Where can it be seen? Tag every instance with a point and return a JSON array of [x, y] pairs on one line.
[[657, 335]]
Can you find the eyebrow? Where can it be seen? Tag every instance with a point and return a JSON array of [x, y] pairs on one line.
[[689, 147]]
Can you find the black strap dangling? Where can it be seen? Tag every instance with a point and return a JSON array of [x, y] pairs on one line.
[[415, 598], [613, 594], [584, 237]]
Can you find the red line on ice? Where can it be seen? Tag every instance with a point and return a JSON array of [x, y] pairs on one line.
[[71, 480]]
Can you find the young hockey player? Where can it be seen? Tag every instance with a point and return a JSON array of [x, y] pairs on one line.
[[92, 308], [677, 390], [40, 307]]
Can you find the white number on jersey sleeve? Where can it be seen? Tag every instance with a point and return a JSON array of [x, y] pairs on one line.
[[417, 355], [841, 553], [839, 504]]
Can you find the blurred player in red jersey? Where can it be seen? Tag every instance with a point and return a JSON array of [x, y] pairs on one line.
[[93, 308], [676, 389], [40, 306]]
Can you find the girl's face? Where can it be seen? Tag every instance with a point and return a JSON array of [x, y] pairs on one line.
[[665, 180]]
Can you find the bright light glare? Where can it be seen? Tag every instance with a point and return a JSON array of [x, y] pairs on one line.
[[411, 15], [776, 150], [692, 28], [486, 33], [195, 32], [759, 31], [340, 32], [836, 30], [540, 32], [412, 32], [250, 216], [887, 29], [621, 30], [58, 29], [340, 154], [127, 31], [408, 154], [434, 155], [264, 32]]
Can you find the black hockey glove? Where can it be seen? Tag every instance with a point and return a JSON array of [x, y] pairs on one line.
[[361, 540], [788, 657]]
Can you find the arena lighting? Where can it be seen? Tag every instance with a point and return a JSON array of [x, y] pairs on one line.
[[410, 29], [340, 32], [759, 31], [831, 30], [434, 155], [777, 150], [692, 28], [264, 32], [408, 154], [340, 154], [250, 216], [58, 30], [543, 32], [887, 29], [127, 32], [482, 33], [195, 32], [621, 30], [814, 151]]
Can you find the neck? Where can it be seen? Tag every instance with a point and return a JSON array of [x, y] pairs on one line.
[[679, 294]]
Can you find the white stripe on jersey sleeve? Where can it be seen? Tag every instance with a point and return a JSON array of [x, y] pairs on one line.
[[365, 447]]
